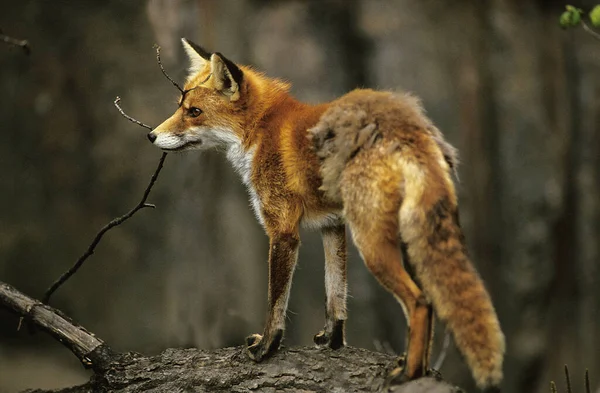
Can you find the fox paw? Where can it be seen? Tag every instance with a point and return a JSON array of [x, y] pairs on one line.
[[434, 373], [333, 339], [258, 348], [401, 361], [397, 377], [254, 347]]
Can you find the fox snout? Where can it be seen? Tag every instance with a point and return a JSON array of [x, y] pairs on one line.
[[173, 136], [170, 138]]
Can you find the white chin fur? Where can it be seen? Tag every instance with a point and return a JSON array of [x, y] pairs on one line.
[[169, 141], [196, 138]]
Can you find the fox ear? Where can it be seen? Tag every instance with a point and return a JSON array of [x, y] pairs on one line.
[[198, 55], [227, 76]]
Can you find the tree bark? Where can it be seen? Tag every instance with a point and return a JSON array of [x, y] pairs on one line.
[[92, 351], [300, 369], [223, 370]]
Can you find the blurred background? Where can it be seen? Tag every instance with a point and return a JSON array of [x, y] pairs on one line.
[[517, 95]]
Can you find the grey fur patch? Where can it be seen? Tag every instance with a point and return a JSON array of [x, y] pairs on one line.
[[350, 125], [341, 132]]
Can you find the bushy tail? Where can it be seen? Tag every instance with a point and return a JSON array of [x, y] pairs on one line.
[[437, 252]]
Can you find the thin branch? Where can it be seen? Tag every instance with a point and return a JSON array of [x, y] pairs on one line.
[[131, 119], [442, 356], [117, 221], [568, 379], [165, 72], [23, 44], [587, 381], [590, 30], [92, 351], [553, 387]]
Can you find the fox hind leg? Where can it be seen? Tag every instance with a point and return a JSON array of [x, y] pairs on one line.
[[372, 190], [382, 257], [334, 243]]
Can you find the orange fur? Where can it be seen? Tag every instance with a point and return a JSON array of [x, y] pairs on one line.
[[373, 160], [391, 170]]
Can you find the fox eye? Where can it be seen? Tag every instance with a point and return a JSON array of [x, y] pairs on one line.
[[194, 112]]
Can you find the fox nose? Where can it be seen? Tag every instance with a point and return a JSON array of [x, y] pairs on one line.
[[151, 137]]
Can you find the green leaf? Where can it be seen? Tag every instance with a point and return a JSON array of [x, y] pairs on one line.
[[565, 20], [595, 16], [571, 17]]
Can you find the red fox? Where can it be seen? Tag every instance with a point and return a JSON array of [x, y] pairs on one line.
[[369, 159]]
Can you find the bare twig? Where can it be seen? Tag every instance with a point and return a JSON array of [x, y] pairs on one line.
[[117, 221], [590, 30], [165, 72], [568, 379], [92, 351], [442, 356], [553, 388], [131, 119], [587, 381], [23, 44]]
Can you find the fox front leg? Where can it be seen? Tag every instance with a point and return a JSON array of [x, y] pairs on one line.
[[283, 254], [334, 243]]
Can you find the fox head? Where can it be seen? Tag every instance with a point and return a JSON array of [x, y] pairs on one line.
[[210, 109]]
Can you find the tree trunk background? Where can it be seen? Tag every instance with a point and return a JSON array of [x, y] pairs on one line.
[[518, 96]]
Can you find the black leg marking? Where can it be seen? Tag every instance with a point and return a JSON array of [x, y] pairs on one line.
[[332, 338]]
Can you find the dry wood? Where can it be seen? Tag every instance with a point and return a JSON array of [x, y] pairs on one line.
[[229, 370], [92, 351], [23, 44], [222, 370]]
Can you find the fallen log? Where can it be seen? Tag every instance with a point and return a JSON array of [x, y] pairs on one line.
[[298, 369]]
